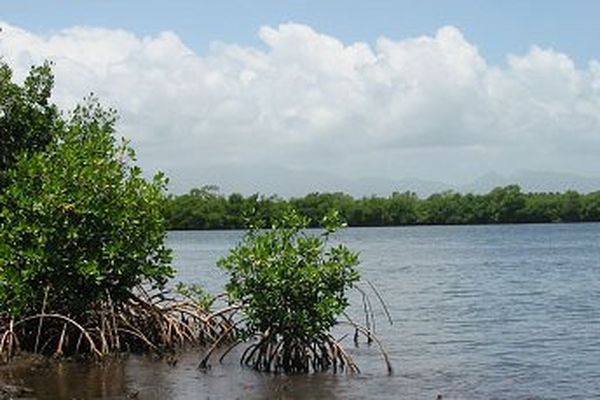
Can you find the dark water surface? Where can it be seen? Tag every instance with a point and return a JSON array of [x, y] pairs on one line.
[[480, 312]]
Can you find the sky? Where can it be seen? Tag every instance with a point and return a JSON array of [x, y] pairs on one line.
[[295, 96]]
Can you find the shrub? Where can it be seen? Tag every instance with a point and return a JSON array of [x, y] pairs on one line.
[[292, 286], [80, 222], [82, 235]]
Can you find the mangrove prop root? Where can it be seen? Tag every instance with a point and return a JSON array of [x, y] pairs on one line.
[[381, 302], [270, 353], [369, 335], [226, 335], [143, 323], [39, 331]]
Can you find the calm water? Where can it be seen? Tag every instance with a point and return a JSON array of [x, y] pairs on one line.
[[480, 312]]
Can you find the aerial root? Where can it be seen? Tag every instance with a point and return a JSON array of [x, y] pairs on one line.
[[371, 337], [142, 324], [274, 354], [225, 336]]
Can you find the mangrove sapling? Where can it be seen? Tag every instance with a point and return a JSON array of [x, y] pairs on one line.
[[291, 286]]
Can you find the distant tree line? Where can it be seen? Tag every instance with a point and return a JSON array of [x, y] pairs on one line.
[[206, 208]]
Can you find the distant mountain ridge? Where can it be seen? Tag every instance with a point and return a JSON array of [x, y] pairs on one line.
[[535, 181], [294, 183]]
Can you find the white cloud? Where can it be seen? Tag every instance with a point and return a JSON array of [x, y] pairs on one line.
[[430, 107]]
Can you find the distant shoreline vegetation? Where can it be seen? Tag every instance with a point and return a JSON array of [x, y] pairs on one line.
[[206, 208]]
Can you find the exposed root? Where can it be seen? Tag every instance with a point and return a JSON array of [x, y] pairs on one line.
[[371, 337], [93, 348], [271, 353], [382, 302], [143, 323], [282, 353], [225, 336], [9, 343]]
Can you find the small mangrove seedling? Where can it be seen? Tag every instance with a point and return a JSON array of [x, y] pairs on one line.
[[291, 286]]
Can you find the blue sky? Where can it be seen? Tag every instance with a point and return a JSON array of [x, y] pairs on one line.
[[268, 95], [498, 27]]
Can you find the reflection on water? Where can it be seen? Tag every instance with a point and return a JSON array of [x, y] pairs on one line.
[[68, 380], [479, 312], [143, 377]]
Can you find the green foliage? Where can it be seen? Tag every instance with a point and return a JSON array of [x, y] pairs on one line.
[[291, 283], [501, 205], [196, 294], [27, 118], [206, 208], [506, 203], [77, 219]]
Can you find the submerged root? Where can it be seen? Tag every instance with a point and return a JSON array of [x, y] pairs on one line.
[[143, 324]]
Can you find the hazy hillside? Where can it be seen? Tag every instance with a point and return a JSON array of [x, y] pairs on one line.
[[290, 183]]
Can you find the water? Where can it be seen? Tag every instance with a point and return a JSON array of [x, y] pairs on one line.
[[479, 312]]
